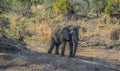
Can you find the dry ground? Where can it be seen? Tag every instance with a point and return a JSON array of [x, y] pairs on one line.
[[37, 59]]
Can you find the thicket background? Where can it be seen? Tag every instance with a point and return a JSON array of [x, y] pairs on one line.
[[32, 21]]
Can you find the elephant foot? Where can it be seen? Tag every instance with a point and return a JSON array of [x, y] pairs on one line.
[[73, 56], [62, 55], [70, 56], [56, 53], [49, 52]]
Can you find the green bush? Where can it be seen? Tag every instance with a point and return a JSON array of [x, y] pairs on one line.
[[113, 6], [62, 6], [109, 9]]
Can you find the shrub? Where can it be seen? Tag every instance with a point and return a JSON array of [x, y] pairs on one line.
[[99, 5], [4, 23], [115, 34], [109, 9], [18, 31], [62, 6], [113, 6]]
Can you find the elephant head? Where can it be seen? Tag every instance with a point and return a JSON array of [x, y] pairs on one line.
[[65, 32], [74, 32], [75, 37]]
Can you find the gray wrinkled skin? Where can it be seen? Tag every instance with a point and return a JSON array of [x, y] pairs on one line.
[[62, 35]]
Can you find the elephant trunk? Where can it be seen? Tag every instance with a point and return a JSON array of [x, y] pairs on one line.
[[75, 43], [75, 49]]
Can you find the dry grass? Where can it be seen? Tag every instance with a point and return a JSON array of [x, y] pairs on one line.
[[42, 32], [41, 28], [99, 53]]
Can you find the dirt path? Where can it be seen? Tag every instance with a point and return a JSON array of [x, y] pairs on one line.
[[86, 60]]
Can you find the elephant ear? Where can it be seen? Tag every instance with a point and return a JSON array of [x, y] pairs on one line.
[[64, 33]]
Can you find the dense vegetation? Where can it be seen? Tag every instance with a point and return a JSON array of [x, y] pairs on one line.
[[21, 19], [61, 6]]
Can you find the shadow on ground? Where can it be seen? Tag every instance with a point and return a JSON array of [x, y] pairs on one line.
[[11, 45], [27, 60]]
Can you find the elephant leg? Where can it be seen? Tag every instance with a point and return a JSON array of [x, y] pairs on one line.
[[57, 49], [51, 46], [71, 48], [63, 48], [75, 49]]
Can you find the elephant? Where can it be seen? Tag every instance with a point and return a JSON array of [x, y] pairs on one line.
[[73, 40], [62, 35]]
